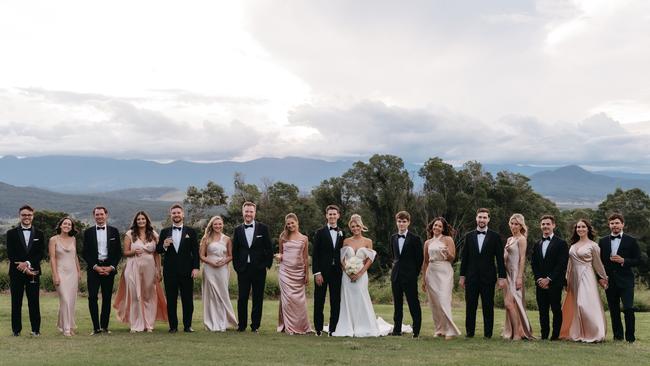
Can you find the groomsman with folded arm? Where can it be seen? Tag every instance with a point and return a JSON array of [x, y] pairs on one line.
[[25, 249], [549, 261], [620, 252]]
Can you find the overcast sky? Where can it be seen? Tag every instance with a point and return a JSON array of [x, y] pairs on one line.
[[543, 82]]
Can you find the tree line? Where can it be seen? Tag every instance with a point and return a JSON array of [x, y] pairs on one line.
[[382, 186]]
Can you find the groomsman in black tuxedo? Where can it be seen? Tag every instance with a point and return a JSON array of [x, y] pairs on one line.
[[252, 255], [25, 249], [478, 274], [619, 253], [326, 267], [102, 251], [407, 254], [549, 262], [180, 250]]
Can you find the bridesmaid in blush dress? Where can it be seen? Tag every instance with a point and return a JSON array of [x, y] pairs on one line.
[[65, 273], [438, 283], [293, 277], [140, 299], [216, 252], [583, 316], [517, 325]]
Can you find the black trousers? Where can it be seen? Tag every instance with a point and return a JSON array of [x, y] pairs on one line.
[[472, 292], [255, 279], [95, 283], [333, 283], [21, 284], [410, 289], [616, 295], [185, 283], [549, 299]]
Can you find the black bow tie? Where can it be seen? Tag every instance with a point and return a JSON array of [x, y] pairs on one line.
[[248, 226], [546, 238], [334, 228], [178, 228], [28, 229], [615, 237], [480, 233], [401, 236], [101, 227]]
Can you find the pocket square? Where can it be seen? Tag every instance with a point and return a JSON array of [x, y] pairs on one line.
[[187, 236], [112, 239], [259, 236], [36, 239]]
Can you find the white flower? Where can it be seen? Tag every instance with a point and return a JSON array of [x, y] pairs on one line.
[[353, 265], [340, 233]]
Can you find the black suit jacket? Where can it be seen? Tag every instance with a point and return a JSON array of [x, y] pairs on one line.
[[479, 267], [408, 264], [179, 263], [260, 251], [17, 251], [325, 253], [90, 253], [554, 264], [622, 276]]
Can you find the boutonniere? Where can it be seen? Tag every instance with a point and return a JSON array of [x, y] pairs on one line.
[[187, 236], [340, 233]]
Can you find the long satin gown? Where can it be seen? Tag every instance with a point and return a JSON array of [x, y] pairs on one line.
[[140, 299], [66, 266], [440, 284], [583, 316], [218, 314], [293, 317], [511, 258], [357, 317]]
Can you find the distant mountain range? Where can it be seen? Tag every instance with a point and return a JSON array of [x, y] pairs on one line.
[[125, 182]]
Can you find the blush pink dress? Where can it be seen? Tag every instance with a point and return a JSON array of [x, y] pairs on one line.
[[293, 317], [440, 284], [140, 299], [66, 267], [218, 314], [583, 316]]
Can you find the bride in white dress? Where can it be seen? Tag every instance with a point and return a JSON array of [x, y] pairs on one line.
[[357, 317]]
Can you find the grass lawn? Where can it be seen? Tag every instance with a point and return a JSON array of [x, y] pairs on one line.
[[269, 347]]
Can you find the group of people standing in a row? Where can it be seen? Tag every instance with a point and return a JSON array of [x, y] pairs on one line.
[[339, 264]]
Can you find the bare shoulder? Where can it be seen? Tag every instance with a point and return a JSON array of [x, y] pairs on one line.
[[367, 242], [448, 240]]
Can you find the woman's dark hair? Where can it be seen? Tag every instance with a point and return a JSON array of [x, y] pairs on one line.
[[73, 231], [590, 233], [135, 231], [447, 229]]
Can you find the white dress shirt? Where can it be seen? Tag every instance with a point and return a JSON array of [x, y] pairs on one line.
[[250, 232], [333, 234], [400, 241], [27, 234], [545, 245], [616, 243], [481, 238], [177, 236], [102, 243]]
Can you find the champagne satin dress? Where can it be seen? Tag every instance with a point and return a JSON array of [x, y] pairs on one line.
[[440, 284]]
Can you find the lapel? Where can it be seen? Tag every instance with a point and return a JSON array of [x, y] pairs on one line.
[[94, 239], [256, 230], [395, 244], [548, 250], [326, 229], [31, 239], [407, 240], [475, 242], [21, 237], [608, 247]]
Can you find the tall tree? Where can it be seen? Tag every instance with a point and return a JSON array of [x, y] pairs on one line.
[[199, 200]]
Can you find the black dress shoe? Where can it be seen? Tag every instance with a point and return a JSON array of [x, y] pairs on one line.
[[319, 333], [469, 335], [35, 334], [398, 334], [256, 331], [416, 335], [173, 330], [96, 332], [241, 329], [188, 330], [16, 334], [105, 330]]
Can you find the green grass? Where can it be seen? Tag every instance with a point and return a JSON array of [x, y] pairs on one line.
[[269, 347]]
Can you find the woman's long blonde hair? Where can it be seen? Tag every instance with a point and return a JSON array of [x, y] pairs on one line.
[[519, 218], [285, 232], [209, 231], [356, 218]]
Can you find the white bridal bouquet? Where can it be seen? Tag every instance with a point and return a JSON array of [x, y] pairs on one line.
[[353, 265]]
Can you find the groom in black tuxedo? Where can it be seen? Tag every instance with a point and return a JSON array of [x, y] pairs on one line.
[[102, 252], [619, 253], [478, 273], [25, 249], [407, 254], [326, 267], [179, 247], [549, 261], [252, 255]]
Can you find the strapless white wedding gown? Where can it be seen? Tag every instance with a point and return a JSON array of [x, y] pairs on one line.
[[357, 317]]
